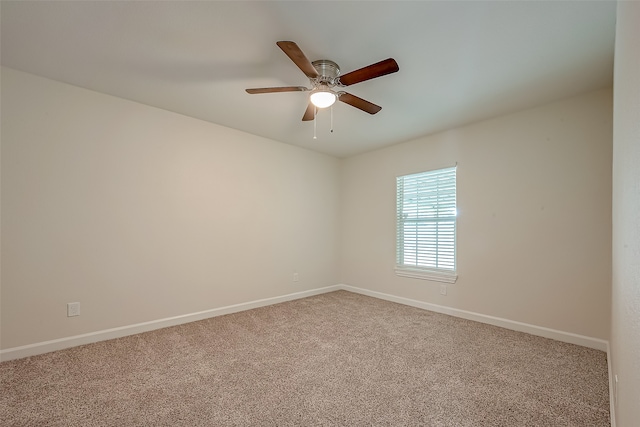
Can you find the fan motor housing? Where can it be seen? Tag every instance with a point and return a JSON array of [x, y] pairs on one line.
[[328, 70]]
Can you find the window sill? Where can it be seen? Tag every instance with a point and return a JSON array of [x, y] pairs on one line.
[[423, 274]]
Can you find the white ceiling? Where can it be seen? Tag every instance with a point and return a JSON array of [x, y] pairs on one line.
[[459, 61]]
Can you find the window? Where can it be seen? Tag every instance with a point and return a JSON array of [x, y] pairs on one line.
[[426, 225]]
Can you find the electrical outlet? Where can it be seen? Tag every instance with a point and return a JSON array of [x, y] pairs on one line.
[[296, 277], [73, 309], [443, 289]]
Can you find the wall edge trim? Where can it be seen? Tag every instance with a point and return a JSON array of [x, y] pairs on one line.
[[541, 331], [123, 331], [107, 334], [612, 402]]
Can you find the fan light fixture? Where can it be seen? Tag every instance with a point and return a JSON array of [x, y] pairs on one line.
[[327, 82], [323, 97]]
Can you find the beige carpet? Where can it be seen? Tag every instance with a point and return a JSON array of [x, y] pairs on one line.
[[338, 359]]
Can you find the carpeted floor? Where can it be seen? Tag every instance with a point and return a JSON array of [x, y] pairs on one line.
[[337, 359]]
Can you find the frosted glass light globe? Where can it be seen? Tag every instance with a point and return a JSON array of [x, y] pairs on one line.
[[323, 98]]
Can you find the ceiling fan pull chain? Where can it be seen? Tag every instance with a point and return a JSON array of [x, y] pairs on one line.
[[331, 108], [315, 114]]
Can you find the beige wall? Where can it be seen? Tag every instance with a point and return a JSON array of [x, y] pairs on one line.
[[534, 226], [625, 319], [141, 214]]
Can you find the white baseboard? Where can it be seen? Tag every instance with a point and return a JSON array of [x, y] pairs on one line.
[[107, 334], [62, 343], [612, 400], [567, 337]]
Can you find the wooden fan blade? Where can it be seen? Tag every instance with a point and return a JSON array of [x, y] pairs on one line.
[[372, 71], [310, 113], [277, 89], [295, 54], [360, 103]]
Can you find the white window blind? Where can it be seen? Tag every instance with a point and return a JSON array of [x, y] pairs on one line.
[[426, 221]]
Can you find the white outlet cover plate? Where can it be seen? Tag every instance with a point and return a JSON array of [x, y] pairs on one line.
[[73, 309]]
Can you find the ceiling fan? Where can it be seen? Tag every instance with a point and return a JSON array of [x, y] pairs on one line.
[[326, 81]]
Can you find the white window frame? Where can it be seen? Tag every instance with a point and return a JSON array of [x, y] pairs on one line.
[[427, 198]]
